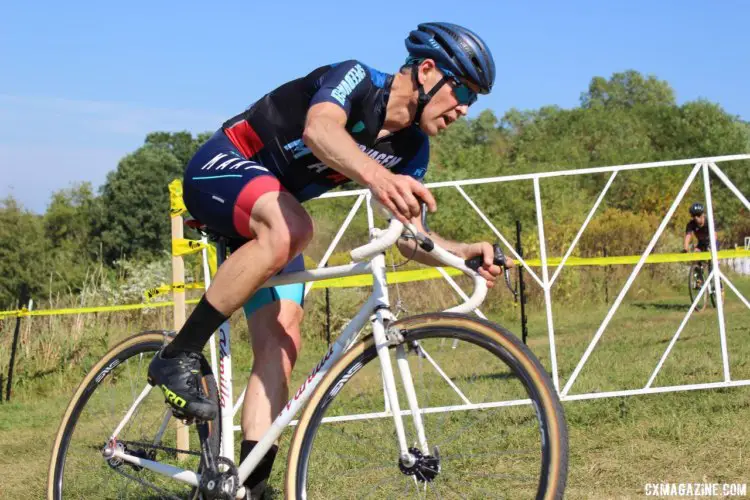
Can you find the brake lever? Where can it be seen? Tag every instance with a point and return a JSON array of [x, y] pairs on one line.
[[499, 259], [475, 262], [424, 217]]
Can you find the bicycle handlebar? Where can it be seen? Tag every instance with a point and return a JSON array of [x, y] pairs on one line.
[[383, 239]]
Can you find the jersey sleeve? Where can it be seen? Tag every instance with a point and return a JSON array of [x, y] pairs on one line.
[[344, 84], [689, 228], [416, 167]]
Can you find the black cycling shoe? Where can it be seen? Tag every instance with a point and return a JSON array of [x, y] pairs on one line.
[[179, 378]]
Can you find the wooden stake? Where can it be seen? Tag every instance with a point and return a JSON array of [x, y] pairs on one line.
[[178, 295]]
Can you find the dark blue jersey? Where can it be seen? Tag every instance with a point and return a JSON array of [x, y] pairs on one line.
[[270, 131], [700, 232]]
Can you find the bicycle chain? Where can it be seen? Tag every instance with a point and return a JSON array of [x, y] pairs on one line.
[[161, 447], [174, 451], [143, 482]]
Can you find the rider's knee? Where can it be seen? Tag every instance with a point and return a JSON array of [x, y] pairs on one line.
[[289, 240], [285, 234]]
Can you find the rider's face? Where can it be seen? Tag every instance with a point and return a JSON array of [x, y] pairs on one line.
[[700, 219], [444, 108]]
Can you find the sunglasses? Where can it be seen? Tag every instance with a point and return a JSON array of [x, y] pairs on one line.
[[463, 93]]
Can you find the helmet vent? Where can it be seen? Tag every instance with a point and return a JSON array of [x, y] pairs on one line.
[[475, 62]]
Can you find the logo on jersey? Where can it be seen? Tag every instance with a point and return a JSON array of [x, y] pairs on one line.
[[388, 161], [352, 78], [233, 163], [297, 148]]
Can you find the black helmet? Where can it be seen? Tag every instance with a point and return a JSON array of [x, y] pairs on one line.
[[696, 209], [456, 49]]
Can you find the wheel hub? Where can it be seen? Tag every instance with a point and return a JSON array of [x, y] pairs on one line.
[[425, 468]]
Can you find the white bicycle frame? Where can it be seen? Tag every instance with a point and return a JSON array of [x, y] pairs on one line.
[[368, 258]]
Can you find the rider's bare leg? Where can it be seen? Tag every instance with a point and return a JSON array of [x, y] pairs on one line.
[[282, 229], [275, 336]]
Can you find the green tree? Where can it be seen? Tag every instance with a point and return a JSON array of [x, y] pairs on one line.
[[22, 251], [181, 144], [627, 90], [134, 208], [69, 215], [68, 225]]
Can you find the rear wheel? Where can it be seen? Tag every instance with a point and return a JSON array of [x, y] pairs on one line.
[[492, 419], [78, 468]]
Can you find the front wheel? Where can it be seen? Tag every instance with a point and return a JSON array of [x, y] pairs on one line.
[[695, 283], [492, 419]]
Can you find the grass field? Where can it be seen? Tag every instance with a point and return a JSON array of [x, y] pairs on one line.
[[617, 445]]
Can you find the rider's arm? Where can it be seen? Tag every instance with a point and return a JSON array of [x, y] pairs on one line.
[[489, 271], [686, 243], [329, 141], [689, 233], [341, 89]]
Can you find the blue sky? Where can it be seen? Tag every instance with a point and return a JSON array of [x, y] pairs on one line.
[[84, 82]]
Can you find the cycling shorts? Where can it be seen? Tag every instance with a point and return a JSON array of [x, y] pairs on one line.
[[220, 187]]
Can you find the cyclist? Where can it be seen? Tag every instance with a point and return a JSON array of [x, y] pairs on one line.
[[342, 122], [698, 229]]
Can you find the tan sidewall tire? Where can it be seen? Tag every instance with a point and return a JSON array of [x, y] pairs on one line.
[[113, 353], [548, 401]]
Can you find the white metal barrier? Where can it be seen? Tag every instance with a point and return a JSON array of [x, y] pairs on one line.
[[700, 167]]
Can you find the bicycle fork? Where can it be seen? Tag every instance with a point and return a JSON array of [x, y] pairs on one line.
[[383, 340]]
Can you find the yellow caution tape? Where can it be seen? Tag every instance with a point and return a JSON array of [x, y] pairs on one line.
[[176, 205], [633, 259], [211, 259], [431, 273], [392, 278], [88, 310], [182, 246], [164, 289], [403, 277]]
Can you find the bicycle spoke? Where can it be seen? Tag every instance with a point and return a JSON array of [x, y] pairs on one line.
[[340, 432], [372, 490], [86, 473], [482, 452]]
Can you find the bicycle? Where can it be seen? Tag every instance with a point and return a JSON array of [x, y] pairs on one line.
[[696, 281], [352, 439]]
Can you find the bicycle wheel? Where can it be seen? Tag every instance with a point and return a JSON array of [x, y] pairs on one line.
[[695, 282], [78, 468], [711, 290], [492, 419]]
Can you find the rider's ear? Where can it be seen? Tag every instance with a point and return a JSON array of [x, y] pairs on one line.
[[426, 68]]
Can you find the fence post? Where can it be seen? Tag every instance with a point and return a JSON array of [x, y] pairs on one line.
[[328, 314], [521, 285], [23, 299], [178, 296]]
